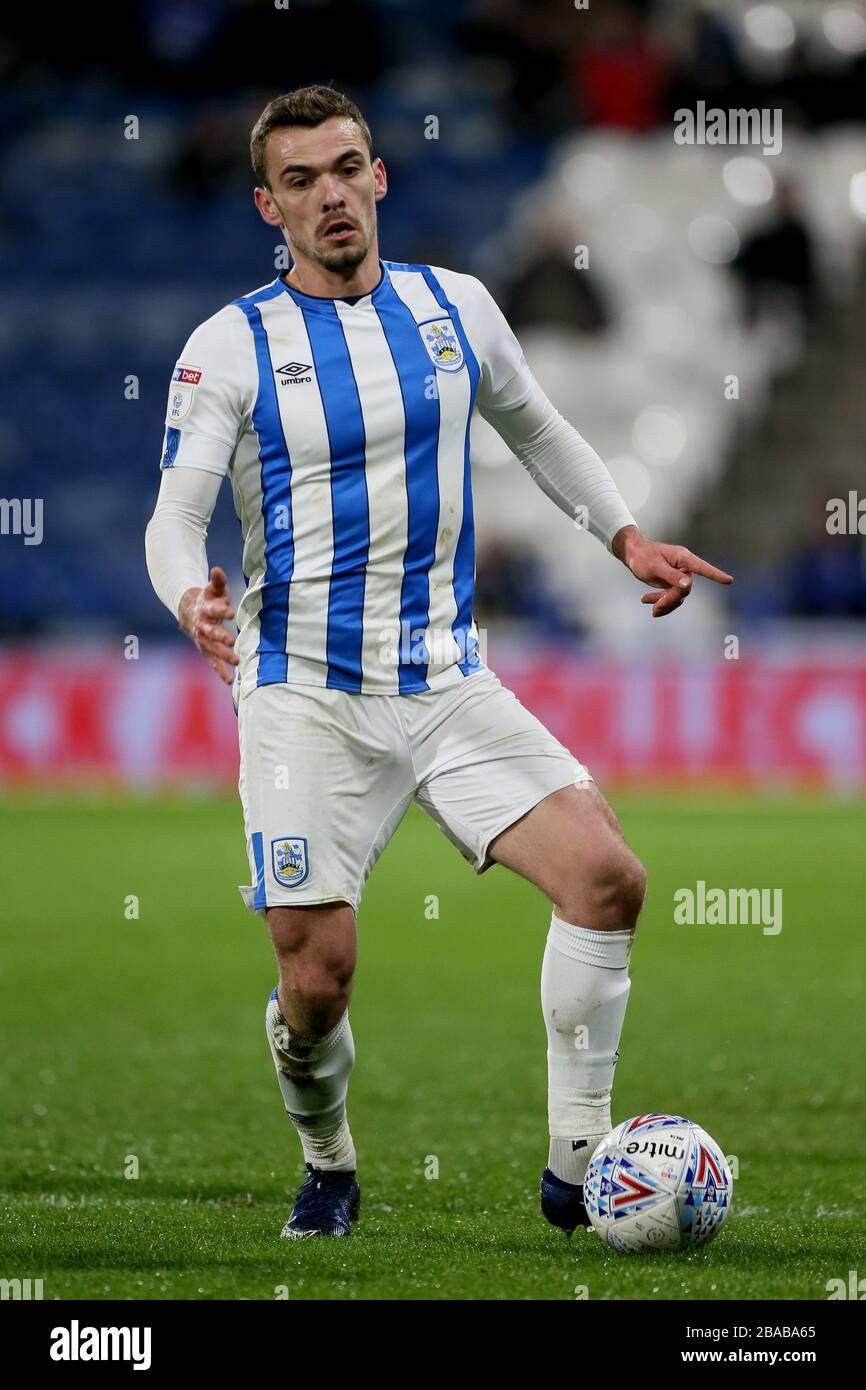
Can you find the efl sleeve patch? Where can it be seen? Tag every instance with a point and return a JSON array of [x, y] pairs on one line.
[[184, 380]]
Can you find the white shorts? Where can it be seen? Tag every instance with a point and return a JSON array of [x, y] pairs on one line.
[[326, 776]]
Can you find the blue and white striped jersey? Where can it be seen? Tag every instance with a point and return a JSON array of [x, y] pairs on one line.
[[344, 428]]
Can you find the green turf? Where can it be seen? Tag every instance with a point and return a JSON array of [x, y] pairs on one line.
[[145, 1037]]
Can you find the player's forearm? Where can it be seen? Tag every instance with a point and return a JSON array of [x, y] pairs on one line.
[[175, 540], [573, 476], [176, 559], [566, 468]]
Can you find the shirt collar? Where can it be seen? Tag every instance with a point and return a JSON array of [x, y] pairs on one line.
[[324, 302]]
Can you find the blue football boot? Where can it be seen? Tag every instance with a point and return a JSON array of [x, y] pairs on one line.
[[562, 1203], [326, 1205]]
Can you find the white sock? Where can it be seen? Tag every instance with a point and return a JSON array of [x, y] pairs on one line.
[[314, 1077], [584, 992]]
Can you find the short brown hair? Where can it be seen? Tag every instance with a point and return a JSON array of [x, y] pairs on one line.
[[307, 106]]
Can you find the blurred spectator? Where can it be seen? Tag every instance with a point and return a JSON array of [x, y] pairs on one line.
[[707, 64], [815, 95], [528, 39], [618, 76], [714, 59], [549, 290], [826, 578], [779, 254]]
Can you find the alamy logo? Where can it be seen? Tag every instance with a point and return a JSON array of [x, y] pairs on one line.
[[431, 646], [738, 126], [77, 1343], [847, 517], [22, 516], [855, 1287], [702, 906], [24, 1289]]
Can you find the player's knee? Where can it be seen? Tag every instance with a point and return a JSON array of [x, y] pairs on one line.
[[622, 891], [317, 973], [611, 897], [632, 890], [315, 992], [321, 988], [315, 951]]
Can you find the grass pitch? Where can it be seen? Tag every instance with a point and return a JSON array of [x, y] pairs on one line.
[[136, 1044]]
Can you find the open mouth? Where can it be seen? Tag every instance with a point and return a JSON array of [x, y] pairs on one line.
[[339, 231]]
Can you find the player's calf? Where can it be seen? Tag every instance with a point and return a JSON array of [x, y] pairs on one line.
[[584, 992], [571, 847], [310, 1039]]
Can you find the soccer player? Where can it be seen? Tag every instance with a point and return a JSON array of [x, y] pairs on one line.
[[338, 399]]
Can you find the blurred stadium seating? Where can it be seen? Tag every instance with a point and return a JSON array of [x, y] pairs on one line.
[[555, 131]]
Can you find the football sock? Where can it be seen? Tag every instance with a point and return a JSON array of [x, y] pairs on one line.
[[584, 992], [314, 1077]]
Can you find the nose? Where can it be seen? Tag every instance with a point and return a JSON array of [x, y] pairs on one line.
[[331, 193]]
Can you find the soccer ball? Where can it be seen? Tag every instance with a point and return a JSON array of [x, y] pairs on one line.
[[657, 1182]]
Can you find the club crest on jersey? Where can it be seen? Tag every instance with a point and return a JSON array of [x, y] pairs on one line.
[[291, 860], [443, 346]]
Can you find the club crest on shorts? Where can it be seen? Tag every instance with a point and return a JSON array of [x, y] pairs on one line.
[[291, 860], [443, 346]]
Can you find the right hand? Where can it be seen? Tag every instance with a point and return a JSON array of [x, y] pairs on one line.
[[201, 615]]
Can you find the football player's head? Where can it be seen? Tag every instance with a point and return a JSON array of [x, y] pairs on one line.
[[317, 179]]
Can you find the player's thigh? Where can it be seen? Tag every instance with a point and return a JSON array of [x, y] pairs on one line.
[[485, 763], [323, 783], [570, 844]]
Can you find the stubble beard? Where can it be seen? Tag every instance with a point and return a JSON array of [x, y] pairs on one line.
[[341, 260]]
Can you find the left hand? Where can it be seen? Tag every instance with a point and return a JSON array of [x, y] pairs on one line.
[[668, 567]]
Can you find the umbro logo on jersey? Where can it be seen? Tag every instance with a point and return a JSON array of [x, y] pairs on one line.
[[294, 371]]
